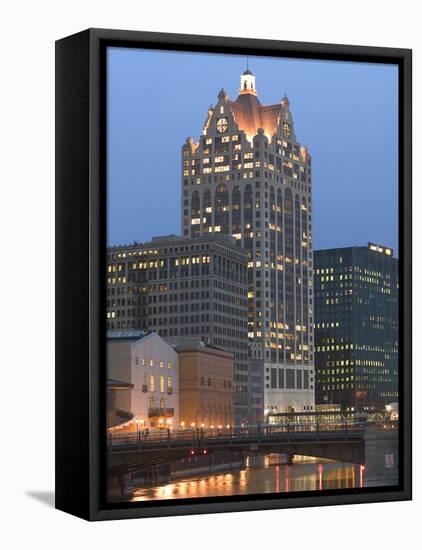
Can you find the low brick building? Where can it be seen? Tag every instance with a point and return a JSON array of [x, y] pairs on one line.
[[206, 386]]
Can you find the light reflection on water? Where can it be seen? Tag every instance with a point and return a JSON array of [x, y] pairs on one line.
[[277, 478]]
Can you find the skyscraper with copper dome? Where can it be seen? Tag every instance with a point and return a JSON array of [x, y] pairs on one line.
[[248, 176]]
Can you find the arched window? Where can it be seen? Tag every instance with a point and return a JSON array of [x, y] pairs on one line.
[[206, 211], [272, 226], [305, 272], [195, 215], [248, 217], [297, 228], [288, 223], [273, 273], [279, 225], [221, 205], [289, 275], [195, 204], [298, 270], [236, 212], [280, 275]]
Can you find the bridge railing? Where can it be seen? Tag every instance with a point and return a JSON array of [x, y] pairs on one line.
[[227, 432]]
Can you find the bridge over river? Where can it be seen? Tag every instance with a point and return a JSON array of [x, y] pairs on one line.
[[343, 442], [151, 456]]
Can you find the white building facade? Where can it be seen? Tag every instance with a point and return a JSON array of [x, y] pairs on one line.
[[148, 363], [155, 375]]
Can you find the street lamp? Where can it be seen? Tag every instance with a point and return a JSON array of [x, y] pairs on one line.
[[138, 423]]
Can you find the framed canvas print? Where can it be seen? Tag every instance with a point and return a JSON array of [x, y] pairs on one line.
[[233, 274]]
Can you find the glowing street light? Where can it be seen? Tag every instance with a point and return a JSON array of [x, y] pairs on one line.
[[139, 422]]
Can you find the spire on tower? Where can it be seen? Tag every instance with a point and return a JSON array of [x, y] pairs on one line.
[[247, 82]]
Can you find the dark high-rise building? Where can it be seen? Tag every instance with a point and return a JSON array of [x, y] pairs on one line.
[[248, 176], [181, 287], [356, 327]]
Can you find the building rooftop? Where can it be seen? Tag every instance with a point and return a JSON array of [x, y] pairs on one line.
[[196, 344], [380, 249], [125, 334], [163, 240], [249, 114]]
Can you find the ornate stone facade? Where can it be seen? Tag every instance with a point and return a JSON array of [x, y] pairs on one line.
[[249, 177]]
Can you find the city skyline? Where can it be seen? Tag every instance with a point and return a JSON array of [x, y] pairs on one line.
[[222, 286], [134, 157]]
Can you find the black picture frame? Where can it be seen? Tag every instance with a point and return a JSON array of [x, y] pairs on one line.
[[80, 262]]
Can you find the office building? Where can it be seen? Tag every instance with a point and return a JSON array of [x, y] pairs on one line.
[[181, 287], [356, 327], [247, 176]]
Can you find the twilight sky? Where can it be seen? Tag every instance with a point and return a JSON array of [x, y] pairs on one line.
[[345, 113]]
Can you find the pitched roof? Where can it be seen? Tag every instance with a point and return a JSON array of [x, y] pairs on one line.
[[250, 114]]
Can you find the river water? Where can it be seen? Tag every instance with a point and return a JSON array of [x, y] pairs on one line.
[[302, 475]]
